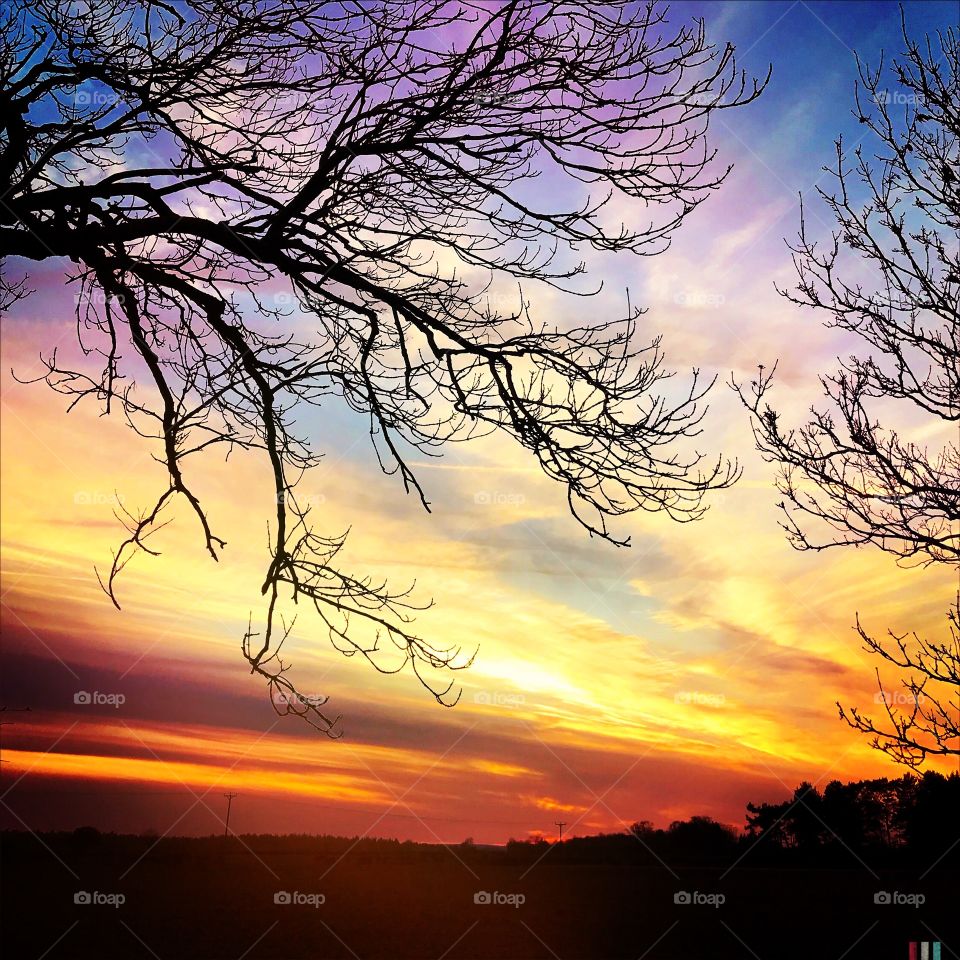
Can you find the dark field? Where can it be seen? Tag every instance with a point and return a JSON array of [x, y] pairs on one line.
[[214, 898]]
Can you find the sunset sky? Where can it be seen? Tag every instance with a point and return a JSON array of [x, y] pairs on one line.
[[692, 672]]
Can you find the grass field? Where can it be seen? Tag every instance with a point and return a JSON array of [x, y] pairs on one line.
[[216, 898]]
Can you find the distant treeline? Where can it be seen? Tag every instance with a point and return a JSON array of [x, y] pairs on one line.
[[897, 822], [910, 819], [917, 813]]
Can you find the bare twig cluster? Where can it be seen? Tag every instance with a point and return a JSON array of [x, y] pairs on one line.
[[920, 718]]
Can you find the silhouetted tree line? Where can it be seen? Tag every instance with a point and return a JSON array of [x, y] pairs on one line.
[[910, 813], [912, 819], [699, 839]]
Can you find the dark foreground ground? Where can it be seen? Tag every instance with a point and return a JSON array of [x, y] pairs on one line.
[[215, 898]]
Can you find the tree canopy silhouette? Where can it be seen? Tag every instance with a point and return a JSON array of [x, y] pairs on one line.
[[890, 277], [914, 813], [377, 158]]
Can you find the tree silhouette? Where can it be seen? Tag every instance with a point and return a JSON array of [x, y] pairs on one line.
[[182, 154], [911, 812], [890, 277]]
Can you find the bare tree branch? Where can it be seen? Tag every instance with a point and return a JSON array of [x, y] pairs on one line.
[[845, 478], [890, 276], [182, 154]]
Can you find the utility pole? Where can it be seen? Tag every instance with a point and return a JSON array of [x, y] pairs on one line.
[[229, 797], [561, 824]]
